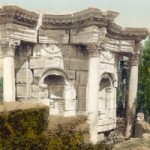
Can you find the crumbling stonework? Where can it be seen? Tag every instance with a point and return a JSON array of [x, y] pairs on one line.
[[141, 126], [69, 63]]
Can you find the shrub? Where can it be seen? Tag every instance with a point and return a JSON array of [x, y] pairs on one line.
[[24, 129]]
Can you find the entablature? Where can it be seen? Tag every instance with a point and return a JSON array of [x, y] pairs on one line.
[[17, 15], [78, 28]]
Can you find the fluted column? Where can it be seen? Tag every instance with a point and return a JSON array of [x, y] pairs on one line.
[[8, 48], [132, 95]]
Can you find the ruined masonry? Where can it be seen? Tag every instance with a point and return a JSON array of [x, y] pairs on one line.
[[69, 62]]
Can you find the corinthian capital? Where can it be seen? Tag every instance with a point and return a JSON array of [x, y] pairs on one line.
[[134, 59], [93, 49], [8, 46], [14, 43]]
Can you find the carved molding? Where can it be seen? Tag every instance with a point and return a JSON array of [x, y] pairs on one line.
[[134, 59]]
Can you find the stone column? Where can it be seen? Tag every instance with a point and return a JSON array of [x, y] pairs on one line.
[[93, 90], [93, 84], [132, 95], [8, 49]]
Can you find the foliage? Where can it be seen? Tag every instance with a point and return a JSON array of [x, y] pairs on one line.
[[68, 136], [144, 80], [27, 130], [23, 129], [65, 139], [123, 70]]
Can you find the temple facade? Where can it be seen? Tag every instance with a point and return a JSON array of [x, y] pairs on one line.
[[70, 63]]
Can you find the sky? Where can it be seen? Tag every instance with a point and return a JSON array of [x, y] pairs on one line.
[[133, 13]]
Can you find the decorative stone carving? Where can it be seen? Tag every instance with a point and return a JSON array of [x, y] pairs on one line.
[[134, 59], [107, 56], [95, 47], [137, 47], [8, 46], [51, 49]]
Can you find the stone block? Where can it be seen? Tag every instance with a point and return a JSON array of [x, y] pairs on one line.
[[70, 105], [24, 76], [54, 36], [88, 34], [21, 62], [105, 127], [23, 90], [69, 50], [54, 63], [66, 63], [37, 63], [81, 77], [34, 91], [100, 122], [37, 72], [81, 93], [78, 64], [70, 92], [70, 74], [81, 104], [43, 93]]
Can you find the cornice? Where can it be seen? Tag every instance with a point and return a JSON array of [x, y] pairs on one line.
[[17, 15], [117, 32], [90, 16], [78, 20]]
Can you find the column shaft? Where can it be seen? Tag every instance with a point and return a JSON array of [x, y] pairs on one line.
[[93, 90], [8, 79], [131, 104]]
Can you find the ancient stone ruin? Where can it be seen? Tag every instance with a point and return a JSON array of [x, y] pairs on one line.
[[69, 62]]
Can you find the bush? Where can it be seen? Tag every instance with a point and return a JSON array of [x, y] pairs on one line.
[[24, 129], [27, 130]]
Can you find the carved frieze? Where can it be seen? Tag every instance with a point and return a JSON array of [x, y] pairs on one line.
[[47, 55], [47, 51]]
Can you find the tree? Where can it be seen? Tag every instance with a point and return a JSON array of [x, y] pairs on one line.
[[143, 103]]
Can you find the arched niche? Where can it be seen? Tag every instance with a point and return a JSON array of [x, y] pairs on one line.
[[107, 103], [61, 94]]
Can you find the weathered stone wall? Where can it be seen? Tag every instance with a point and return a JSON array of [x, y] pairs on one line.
[[31, 64]]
